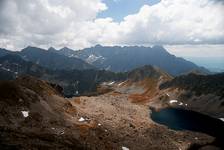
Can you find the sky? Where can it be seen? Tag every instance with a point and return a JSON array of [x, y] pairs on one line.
[[118, 9], [187, 28]]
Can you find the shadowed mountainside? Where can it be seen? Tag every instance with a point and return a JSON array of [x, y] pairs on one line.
[[73, 82], [120, 59], [32, 116], [200, 84]]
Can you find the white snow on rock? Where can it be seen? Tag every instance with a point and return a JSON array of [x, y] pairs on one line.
[[81, 119], [62, 132], [121, 83], [111, 83], [167, 94], [72, 55], [99, 124], [221, 119], [6, 69], [92, 58], [125, 148], [173, 101], [180, 103], [108, 68], [25, 113]]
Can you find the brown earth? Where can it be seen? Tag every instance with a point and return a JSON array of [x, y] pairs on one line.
[[104, 122]]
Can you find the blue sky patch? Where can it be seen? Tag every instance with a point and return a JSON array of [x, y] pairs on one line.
[[118, 9]]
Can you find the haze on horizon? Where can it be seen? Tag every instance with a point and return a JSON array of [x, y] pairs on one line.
[[187, 28]]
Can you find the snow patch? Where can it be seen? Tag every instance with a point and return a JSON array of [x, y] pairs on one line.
[[99, 124], [6, 69], [167, 94], [180, 103], [173, 101], [222, 119], [124, 148], [92, 58], [72, 55], [111, 83], [121, 83], [81, 119], [25, 113], [108, 68], [62, 132]]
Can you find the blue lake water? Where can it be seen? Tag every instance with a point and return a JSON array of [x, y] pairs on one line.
[[179, 119]]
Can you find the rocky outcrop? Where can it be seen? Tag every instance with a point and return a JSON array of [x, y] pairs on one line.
[[201, 93]]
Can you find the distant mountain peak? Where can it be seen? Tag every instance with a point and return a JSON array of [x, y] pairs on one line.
[[51, 49], [147, 71], [66, 49], [98, 45], [159, 47], [32, 48]]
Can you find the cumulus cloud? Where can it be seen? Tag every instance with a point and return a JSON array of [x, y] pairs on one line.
[[73, 23], [44, 22], [175, 22]]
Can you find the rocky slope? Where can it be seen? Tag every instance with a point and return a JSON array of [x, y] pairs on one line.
[[203, 93], [33, 115]]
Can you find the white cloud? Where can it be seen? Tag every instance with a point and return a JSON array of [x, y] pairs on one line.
[[196, 50], [174, 22], [44, 22], [73, 23]]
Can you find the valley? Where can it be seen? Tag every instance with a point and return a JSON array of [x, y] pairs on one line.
[[48, 105]]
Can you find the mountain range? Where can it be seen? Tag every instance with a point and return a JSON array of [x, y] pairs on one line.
[[120, 59], [80, 72], [116, 59]]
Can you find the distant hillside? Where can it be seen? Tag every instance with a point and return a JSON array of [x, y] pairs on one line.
[[64, 51], [15, 65], [4, 52], [147, 71], [200, 84], [52, 60], [126, 58], [74, 82], [49, 59]]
